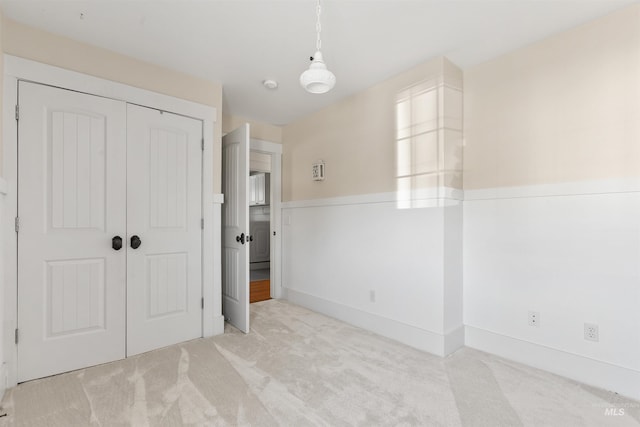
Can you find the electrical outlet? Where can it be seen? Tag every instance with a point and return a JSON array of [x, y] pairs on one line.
[[372, 295], [591, 332], [534, 318]]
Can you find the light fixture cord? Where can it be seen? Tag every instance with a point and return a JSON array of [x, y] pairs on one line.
[[318, 28]]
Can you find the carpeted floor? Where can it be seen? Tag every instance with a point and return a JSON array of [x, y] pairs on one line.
[[299, 368]]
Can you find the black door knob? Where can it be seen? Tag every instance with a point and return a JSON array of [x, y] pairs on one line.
[[116, 243], [249, 238], [135, 242], [240, 239]]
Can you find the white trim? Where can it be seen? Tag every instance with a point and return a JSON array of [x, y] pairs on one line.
[[600, 374], [3, 380], [208, 269], [622, 185], [422, 339], [276, 225], [217, 324], [454, 340], [275, 220], [439, 197], [210, 250], [3, 367], [23, 69], [26, 69], [265, 146], [9, 133], [453, 195]]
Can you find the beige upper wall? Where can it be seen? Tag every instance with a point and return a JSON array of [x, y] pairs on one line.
[[355, 138], [31, 43], [263, 131], [564, 109], [561, 110]]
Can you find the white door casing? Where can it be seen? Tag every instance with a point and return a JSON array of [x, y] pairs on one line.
[[164, 173], [71, 289], [235, 227]]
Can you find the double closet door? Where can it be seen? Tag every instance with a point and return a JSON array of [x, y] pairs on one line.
[[109, 240]]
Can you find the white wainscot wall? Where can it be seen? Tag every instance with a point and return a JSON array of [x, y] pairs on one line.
[[381, 268], [571, 258]]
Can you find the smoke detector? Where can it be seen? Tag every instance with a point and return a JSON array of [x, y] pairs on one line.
[[270, 84]]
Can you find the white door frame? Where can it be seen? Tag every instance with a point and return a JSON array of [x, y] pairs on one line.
[[22, 69], [275, 151]]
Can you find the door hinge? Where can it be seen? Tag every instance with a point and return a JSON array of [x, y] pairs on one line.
[[17, 112], [17, 224], [202, 144], [202, 223], [16, 335], [202, 303]]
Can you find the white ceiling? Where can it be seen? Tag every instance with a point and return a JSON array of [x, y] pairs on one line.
[[242, 42]]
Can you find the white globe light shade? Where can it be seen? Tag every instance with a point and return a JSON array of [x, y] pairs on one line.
[[317, 79]]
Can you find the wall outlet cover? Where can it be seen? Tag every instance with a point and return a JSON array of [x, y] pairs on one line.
[[591, 332], [534, 318]]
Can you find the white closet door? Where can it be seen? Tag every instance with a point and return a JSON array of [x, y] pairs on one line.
[[164, 173], [71, 285], [235, 227]]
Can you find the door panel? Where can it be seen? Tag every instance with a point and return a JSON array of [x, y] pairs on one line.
[[164, 286], [77, 170], [74, 296], [71, 286], [168, 150], [235, 224]]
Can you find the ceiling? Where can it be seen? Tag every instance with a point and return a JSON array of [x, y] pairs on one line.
[[239, 43]]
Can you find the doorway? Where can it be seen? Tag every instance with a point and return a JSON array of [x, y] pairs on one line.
[[245, 187], [264, 220], [259, 226]]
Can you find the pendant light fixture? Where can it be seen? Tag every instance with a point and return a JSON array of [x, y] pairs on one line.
[[317, 79]]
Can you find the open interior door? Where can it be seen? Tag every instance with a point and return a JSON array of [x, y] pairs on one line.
[[235, 228]]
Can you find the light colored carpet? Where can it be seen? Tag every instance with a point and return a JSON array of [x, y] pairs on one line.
[[299, 368]]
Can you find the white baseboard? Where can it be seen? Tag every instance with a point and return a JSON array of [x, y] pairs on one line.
[[218, 325], [428, 341], [623, 381], [454, 340]]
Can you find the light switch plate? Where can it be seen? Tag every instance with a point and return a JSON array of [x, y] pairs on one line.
[[317, 171]]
